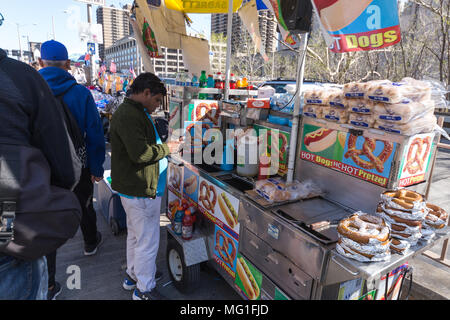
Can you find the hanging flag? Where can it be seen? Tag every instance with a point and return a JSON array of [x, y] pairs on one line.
[[361, 25], [249, 16], [150, 40], [274, 7], [113, 67]]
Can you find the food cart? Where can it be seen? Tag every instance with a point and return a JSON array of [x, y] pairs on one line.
[[286, 250], [289, 248]]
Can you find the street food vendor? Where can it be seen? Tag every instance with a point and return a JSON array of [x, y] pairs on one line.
[[138, 173]]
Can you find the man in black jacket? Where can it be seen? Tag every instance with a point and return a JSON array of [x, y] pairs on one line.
[[30, 120]]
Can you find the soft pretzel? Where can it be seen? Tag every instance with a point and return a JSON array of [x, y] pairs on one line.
[[395, 216], [404, 199], [346, 251], [399, 246], [436, 217], [364, 228]]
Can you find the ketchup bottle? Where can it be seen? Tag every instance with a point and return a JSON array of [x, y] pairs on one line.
[[187, 226]]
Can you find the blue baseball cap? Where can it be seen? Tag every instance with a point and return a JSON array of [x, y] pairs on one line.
[[54, 51]]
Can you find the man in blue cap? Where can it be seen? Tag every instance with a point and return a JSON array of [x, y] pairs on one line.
[[55, 63]]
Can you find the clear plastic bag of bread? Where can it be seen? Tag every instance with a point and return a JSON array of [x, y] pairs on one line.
[[363, 106], [313, 111], [320, 95], [408, 89], [423, 124], [358, 90], [333, 114], [402, 113], [277, 190]]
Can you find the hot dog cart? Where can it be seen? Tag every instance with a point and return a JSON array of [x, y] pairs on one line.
[[287, 249]]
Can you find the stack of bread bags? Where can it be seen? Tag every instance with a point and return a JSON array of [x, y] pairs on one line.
[[364, 237], [317, 98], [360, 108], [404, 211], [405, 107], [336, 110]]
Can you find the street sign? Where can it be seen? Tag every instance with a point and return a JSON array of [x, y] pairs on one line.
[[94, 2], [91, 48]]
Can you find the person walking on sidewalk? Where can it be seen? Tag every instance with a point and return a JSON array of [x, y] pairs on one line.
[[54, 64], [38, 172], [138, 174]]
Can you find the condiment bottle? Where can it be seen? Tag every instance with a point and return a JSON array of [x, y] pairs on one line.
[[178, 221], [187, 225]]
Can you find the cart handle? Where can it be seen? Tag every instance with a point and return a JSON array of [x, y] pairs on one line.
[[344, 267]]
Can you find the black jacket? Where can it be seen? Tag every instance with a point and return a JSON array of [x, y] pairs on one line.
[[29, 115]]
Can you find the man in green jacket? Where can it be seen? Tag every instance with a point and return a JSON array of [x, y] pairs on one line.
[[138, 174]]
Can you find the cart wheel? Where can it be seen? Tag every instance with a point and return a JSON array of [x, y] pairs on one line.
[[114, 226], [184, 278]]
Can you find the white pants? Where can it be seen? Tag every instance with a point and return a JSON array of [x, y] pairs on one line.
[[143, 216]]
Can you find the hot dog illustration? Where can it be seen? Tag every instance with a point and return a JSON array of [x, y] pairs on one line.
[[320, 139], [248, 281], [228, 210]]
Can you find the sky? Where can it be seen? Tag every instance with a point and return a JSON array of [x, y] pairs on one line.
[[35, 22]]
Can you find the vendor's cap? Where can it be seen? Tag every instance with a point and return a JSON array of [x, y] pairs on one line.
[[54, 51]]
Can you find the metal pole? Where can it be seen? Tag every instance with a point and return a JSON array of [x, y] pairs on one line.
[[20, 44], [53, 27], [228, 61], [91, 59], [298, 101]]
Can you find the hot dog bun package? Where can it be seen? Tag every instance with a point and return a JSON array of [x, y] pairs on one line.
[[402, 112], [320, 95], [333, 114], [407, 89], [313, 111], [276, 190], [360, 106], [361, 120], [423, 124]]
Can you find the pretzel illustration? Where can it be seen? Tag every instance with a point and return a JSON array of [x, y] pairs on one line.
[[284, 143], [206, 193], [208, 112], [224, 248], [415, 163], [369, 145], [173, 114], [175, 177], [197, 135]]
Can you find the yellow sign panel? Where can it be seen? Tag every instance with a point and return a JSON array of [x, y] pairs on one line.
[[202, 6]]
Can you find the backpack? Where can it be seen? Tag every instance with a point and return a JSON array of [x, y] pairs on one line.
[[73, 129], [36, 218]]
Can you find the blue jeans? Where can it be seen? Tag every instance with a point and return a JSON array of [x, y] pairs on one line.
[[23, 280]]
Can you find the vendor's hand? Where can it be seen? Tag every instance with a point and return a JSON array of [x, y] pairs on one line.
[[174, 146], [96, 179]]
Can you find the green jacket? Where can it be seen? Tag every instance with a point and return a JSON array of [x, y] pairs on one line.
[[135, 154]]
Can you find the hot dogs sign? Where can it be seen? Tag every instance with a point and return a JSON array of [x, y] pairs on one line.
[[351, 25], [366, 158]]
